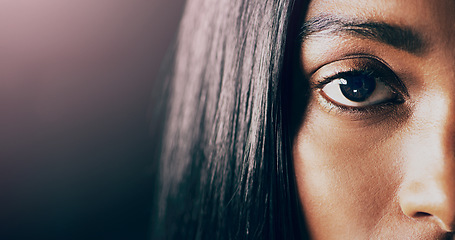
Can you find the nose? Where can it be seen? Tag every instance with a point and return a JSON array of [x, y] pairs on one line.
[[429, 200], [427, 192]]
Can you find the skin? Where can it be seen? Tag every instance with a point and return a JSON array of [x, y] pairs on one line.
[[385, 172]]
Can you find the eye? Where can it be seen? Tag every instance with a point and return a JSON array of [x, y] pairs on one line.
[[358, 89], [358, 82]]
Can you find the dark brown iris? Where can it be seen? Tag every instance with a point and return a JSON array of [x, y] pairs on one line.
[[357, 87]]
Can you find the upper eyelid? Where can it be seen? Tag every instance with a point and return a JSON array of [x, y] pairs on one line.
[[353, 56], [375, 64], [326, 80]]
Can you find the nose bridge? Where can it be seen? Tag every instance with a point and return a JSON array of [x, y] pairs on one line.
[[428, 188], [448, 130], [427, 192], [447, 100]]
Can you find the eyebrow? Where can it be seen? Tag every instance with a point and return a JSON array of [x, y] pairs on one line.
[[396, 36]]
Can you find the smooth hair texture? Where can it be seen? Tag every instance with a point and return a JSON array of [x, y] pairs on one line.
[[225, 169]]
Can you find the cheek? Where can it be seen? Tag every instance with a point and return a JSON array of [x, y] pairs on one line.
[[347, 176]]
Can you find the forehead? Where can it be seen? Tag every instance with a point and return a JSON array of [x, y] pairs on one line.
[[426, 15], [434, 20]]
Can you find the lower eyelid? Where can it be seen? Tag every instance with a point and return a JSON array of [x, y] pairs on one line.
[[383, 115], [374, 113]]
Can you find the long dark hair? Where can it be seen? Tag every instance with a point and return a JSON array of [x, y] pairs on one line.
[[225, 169]]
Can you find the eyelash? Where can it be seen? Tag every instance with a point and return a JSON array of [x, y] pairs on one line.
[[382, 74], [343, 74]]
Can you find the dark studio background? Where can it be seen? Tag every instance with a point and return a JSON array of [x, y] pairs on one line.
[[75, 83]]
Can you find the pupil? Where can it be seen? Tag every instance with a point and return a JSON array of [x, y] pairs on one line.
[[357, 88]]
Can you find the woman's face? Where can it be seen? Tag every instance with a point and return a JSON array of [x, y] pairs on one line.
[[375, 154]]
